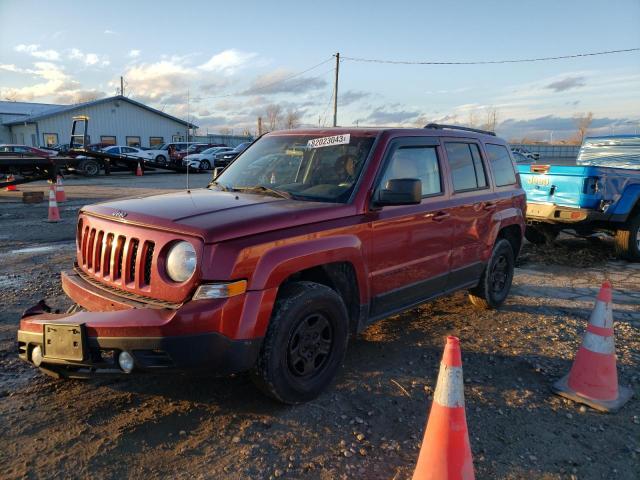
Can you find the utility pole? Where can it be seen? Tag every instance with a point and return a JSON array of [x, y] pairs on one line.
[[259, 126], [335, 92], [122, 86]]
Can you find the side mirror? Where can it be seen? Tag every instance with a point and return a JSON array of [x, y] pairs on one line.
[[400, 191], [217, 171]]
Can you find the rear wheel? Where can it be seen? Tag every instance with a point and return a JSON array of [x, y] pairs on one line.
[[305, 343], [540, 234], [627, 240], [89, 167], [205, 165], [496, 279]]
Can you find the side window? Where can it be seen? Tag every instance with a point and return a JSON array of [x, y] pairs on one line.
[[415, 162], [501, 164], [467, 171]]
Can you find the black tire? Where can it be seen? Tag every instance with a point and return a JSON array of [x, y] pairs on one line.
[[496, 279], [205, 165], [305, 343], [541, 234], [627, 240], [161, 159], [89, 167]]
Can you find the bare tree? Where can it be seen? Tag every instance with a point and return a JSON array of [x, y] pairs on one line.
[[473, 119], [492, 119], [292, 119], [273, 112], [583, 122], [225, 131]]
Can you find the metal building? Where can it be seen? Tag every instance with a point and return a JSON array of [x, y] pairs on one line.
[[114, 120]]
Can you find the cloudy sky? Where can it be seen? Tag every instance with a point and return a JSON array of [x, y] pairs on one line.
[[233, 59]]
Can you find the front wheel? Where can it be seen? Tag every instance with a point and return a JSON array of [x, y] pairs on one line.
[[627, 240], [305, 343], [496, 279], [161, 159]]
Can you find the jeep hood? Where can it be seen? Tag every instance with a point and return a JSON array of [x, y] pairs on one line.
[[217, 216]]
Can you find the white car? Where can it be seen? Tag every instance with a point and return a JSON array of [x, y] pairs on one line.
[[129, 152], [204, 159]]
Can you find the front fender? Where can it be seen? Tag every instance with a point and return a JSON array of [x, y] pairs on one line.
[[281, 262]]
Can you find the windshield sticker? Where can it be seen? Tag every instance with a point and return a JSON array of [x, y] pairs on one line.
[[329, 141]]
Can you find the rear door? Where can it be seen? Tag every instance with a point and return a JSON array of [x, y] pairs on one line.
[[411, 244], [473, 202]]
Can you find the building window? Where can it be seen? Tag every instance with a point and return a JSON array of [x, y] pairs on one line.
[[156, 141], [133, 141], [177, 138], [50, 139], [108, 139]]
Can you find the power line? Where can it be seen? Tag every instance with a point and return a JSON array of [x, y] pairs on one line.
[[487, 62]]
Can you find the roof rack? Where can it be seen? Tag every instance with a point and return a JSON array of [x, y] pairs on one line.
[[439, 126]]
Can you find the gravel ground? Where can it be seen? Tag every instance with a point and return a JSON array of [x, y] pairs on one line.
[[369, 424]]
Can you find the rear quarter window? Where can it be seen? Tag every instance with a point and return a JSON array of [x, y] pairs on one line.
[[501, 164]]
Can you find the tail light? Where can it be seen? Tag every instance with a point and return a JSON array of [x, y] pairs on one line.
[[540, 168]]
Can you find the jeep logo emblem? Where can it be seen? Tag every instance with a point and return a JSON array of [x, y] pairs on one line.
[[119, 214]]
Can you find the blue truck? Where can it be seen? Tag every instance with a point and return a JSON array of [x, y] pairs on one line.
[[601, 193]]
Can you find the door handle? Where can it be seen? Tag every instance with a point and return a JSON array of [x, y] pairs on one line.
[[490, 206], [440, 216]]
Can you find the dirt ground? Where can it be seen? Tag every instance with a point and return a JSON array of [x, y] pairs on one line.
[[369, 424]]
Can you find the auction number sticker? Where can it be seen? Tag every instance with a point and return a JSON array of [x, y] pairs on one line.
[[329, 141]]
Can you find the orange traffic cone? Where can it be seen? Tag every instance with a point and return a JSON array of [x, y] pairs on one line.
[[54, 213], [593, 378], [446, 452], [60, 195], [139, 170], [11, 188]]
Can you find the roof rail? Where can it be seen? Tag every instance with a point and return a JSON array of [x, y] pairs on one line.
[[439, 126]]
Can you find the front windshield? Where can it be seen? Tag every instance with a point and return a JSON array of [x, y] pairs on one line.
[[161, 146], [303, 167]]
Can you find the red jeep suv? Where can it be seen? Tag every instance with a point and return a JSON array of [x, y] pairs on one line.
[[306, 238]]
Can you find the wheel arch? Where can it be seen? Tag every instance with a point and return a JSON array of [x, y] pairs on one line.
[[335, 262]]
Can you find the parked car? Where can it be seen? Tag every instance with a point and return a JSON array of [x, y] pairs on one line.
[[522, 159], [600, 194], [27, 150], [205, 159], [129, 152], [525, 152], [197, 148], [163, 153], [225, 158], [273, 266]]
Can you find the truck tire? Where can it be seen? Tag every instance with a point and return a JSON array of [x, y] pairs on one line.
[[540, 234], [304, 345], [627, 240], [89, 167], [496, 279]]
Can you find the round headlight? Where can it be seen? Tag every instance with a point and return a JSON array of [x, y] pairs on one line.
[[181, 261]]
